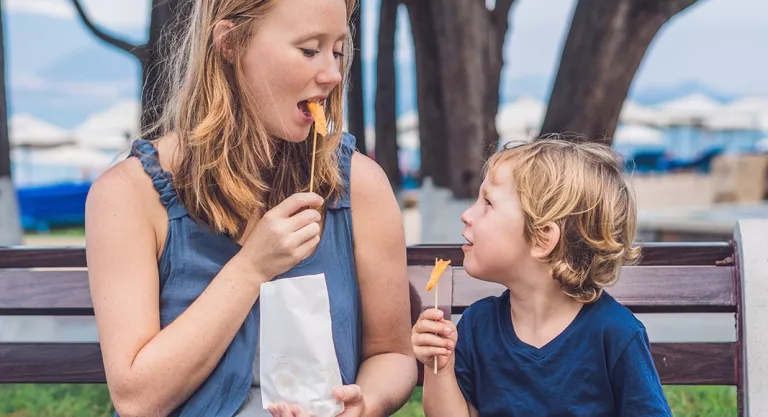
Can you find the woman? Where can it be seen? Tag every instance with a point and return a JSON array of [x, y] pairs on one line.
[[181, 234]]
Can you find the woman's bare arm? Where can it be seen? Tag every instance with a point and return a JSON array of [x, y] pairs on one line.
[[149, 371], [388, 373]]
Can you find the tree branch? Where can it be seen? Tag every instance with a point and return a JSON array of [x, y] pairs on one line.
[[501, 11], [139, 51], [499, 18], [670, 8]]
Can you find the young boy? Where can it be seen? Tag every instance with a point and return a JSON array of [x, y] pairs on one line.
[[554, 223]]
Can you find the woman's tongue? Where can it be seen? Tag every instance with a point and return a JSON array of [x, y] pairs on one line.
[[304, 108]]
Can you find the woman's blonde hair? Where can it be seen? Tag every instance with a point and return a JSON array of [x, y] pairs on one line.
[[580, 186], [229, 166]]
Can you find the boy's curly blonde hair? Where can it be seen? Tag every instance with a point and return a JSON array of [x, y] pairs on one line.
[[580, 186]]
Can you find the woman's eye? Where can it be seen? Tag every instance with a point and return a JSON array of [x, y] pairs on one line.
[[309, 52], [338, 55]]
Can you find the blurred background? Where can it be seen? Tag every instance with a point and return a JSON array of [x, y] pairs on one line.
[[678, 87]]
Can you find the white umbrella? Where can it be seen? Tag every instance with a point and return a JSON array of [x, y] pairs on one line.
[[409, 140], [638, 135], [76, 156], [408, 121], [634, 113], [734, 120], [523, 115], [27, 130], [111, 129], [762, 145], [689, 110]]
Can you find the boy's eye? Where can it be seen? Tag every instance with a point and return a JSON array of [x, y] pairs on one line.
[[487, 203]]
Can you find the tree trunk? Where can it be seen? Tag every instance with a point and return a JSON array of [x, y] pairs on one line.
[[149, 55], [355, 98], [10, 222], [385, 103], [605, 45], [432, 129], [458, 62], [154, 72], [470, 38]]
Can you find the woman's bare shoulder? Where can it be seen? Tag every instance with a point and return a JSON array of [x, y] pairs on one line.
[[127, 183], [124, 182]]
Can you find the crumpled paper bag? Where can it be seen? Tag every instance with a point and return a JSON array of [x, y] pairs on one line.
[[298, 363]]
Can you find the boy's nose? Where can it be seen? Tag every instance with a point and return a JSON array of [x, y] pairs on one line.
[[465, 217]]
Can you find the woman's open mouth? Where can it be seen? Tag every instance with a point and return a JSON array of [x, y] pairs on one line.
[[303, 107]]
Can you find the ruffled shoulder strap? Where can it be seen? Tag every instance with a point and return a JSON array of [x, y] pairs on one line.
[[162, 180]]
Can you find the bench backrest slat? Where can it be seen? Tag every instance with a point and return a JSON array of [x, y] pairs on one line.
[[46, 292], [696, 363], [51, 362], [677, 363], [34, 257], [654, 254], [644, 289]]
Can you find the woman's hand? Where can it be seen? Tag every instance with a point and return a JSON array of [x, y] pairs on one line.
[[352, 398], [433, 336], [285, 410], [283, 236], [349, 395]]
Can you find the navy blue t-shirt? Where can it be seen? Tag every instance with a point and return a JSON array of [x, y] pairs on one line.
[[600, 365]]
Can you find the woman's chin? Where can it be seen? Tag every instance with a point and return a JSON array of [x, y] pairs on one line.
[[298, 136]]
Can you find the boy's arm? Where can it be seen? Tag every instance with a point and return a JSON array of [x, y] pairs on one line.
[[442, 396], [636, 384]]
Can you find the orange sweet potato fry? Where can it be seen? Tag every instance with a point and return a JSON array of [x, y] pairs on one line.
[[318, 114], [437, 272]]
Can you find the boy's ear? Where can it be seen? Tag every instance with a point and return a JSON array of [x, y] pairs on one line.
[[221, 39], [551, 237]]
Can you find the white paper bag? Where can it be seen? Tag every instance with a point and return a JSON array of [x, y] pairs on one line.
[[297, 357]]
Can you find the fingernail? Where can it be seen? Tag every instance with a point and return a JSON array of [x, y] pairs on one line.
[[448, 330], [450, 345]]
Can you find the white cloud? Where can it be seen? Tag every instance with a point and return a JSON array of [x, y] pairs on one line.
[[111, 90], [107, 13], [54, 8]]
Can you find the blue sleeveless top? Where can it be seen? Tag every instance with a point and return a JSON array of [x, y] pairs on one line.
[[194, 255]]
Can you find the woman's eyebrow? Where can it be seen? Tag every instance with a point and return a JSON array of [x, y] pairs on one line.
[[318, 34]]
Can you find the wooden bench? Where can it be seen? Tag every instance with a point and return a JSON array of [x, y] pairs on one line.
[[672, 278]]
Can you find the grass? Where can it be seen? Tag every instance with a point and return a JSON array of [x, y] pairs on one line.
[[55, 400], [63, 231], [86, 400]]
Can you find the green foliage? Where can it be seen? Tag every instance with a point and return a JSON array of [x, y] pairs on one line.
[[86, 400], [702, 401], [685, 401], [55, 400]]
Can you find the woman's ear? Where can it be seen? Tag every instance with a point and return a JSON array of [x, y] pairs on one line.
[[551, 236], [222, 39]]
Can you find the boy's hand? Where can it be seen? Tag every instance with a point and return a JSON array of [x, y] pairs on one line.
[[433, 336]]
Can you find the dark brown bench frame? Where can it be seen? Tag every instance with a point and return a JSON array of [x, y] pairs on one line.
[[672, 278]]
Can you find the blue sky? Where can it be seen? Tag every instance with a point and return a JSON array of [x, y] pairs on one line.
[[63, 74]]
